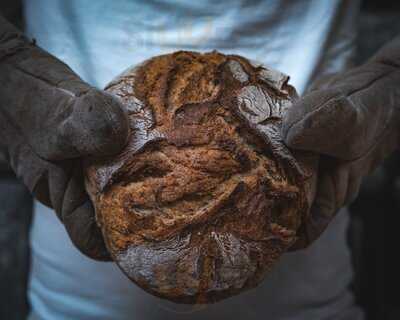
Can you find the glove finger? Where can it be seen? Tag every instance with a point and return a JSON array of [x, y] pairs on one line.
[[322, 210], [61, 187], [331, 191], [341, 178], [355, 181], [79, 219], [358, 170], [57, 179], [84, 232]]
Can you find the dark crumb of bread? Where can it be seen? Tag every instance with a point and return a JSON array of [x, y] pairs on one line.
[[205, 197]]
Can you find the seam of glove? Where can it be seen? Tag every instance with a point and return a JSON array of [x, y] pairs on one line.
[[389, 63], [63, 205], [53, 84], [17, 67]]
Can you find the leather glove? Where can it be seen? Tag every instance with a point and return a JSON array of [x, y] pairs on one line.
[[352, 121], [49, 121]]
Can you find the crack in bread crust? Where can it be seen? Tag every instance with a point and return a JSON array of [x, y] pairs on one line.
[[205, 197]]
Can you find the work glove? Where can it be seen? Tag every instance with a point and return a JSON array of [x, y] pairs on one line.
[[352, 121], [49, 121]]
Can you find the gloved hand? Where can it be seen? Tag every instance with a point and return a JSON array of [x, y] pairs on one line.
[[49, 120], [352, 121]]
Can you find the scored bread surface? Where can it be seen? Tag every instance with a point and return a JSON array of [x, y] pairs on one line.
[[205, 197]]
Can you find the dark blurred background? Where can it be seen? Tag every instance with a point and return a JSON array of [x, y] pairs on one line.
[[372, 235]]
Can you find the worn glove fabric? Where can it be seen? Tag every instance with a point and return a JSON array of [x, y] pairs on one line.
[[352, 121], [49, 120]]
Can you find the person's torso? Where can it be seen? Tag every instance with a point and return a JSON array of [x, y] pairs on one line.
[[99, 39]]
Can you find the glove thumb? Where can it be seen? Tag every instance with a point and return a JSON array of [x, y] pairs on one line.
[[92, 124], [324, 122]]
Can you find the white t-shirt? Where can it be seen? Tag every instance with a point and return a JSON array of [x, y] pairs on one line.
[[98, 40]]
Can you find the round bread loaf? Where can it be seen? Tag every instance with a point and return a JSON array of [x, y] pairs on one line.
[[205, 197]]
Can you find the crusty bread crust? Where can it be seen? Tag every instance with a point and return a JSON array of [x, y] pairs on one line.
[[205, 197]]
